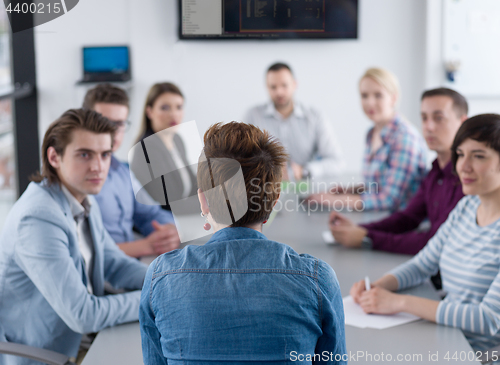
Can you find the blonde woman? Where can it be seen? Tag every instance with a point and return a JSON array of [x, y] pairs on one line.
[[394, 161]]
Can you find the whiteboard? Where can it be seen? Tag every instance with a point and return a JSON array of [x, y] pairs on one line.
[[471, 35]]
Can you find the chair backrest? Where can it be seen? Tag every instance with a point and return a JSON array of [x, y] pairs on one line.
[[33, 353]]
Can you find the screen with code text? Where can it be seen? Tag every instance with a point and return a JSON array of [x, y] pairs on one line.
[[272, 19]]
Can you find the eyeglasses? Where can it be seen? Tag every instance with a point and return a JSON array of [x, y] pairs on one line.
[[124, 124]]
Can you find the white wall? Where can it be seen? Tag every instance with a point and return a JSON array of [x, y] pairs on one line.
[[434, 60], [221, 79]]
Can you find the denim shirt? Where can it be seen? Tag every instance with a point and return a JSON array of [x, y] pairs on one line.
[[121, 211], [241, 298]]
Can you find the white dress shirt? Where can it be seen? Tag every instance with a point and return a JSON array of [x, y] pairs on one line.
[[306, 135], [80, 214]]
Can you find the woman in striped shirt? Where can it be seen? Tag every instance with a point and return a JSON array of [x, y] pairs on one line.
[[466, 248]]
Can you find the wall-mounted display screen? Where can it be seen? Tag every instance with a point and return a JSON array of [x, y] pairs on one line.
[[268, 19]]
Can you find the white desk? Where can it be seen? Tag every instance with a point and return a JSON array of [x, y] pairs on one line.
[[121, 344]]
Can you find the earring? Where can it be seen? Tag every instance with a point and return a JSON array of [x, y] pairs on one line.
[[207, 225]]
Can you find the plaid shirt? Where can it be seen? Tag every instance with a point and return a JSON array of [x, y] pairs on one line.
[[393, 173]]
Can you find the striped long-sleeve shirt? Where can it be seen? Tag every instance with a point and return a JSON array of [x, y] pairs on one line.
[[469, 259]]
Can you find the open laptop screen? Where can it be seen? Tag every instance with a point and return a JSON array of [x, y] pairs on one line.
[[106, 59]]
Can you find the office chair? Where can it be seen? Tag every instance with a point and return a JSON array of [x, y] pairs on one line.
[[33, 353]]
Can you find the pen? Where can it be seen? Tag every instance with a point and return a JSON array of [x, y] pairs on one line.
[[367, 283]]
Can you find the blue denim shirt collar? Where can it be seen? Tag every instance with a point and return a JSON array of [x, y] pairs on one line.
[[235, 233], [260, 292]]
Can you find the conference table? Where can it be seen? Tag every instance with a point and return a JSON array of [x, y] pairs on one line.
[[419, 342]]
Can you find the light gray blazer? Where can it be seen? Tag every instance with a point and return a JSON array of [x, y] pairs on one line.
[[44, 300]]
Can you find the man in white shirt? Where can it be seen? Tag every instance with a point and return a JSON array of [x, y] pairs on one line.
[[305, 133]]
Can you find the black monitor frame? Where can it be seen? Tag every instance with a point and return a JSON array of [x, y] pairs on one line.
[[258, 36]]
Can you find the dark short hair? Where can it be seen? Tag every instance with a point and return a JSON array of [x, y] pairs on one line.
[[261, 158], [60, 133], [105, 93], [460, 105], [482, 128], [278, 66]]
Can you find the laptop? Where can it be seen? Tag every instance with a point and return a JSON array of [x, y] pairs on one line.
[[106, 64]]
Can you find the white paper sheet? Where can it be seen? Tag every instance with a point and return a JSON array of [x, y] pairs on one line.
[[354, 316], [328, 238]]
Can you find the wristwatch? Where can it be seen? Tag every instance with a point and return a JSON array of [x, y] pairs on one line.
[[367, 243]]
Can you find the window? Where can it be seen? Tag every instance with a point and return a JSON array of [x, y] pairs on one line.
[[19, 146]]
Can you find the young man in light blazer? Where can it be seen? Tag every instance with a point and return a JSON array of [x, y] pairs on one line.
[[55, 253]]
